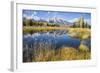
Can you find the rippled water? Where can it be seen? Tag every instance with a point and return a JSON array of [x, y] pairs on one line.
[[55, 40]]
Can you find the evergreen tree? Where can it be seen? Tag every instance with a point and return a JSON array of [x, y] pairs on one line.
[[81, 22], [30, 22]]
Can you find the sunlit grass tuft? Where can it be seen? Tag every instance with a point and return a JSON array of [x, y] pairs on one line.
[[83, 48], [81, 33]]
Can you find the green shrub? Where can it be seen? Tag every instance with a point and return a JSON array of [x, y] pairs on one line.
[[83, 48]]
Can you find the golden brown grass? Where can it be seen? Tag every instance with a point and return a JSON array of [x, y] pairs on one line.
[[49, 28], [81, 33], [66, 53]]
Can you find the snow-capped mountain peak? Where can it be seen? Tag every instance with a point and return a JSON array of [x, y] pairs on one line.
[[59, 21]]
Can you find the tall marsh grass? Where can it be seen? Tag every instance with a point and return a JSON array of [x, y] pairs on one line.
[[65, 53], [69, 53]]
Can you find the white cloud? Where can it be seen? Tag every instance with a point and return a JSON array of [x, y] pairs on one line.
[[73, 20], [36, 18], [24, 15], [48, 12], [34, 13], [27, 16], [33, 16]]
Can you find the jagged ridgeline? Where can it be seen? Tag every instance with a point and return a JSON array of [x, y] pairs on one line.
[[79, 22]]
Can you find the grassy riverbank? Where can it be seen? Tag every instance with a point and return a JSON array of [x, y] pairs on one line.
[[66, 53], [81, 33]]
